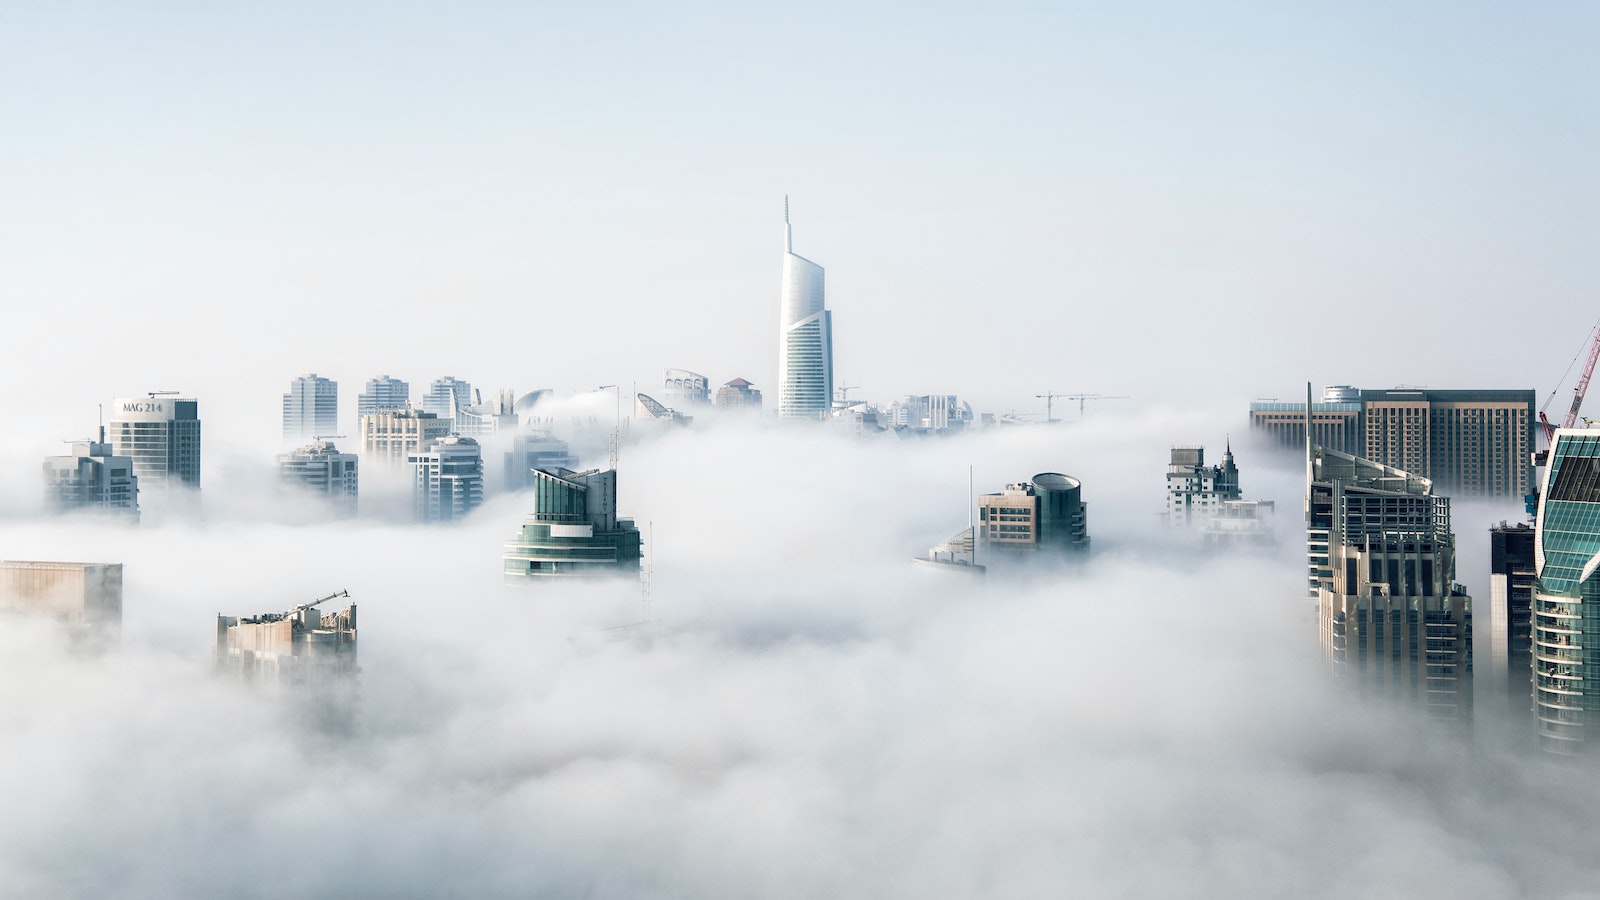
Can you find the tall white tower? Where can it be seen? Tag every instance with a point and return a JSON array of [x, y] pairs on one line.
[[805, 352]]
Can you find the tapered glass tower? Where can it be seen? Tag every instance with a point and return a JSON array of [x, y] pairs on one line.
[[805, 354], [1566, 602]]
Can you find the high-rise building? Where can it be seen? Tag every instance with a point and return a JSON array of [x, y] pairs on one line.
[[162, 436], [1382, 564], [1046, 514], [1196, 491], [492, 417], [805, 351], [1468, 443], [87, 597], [446, 395], [1566, 603], [301, 648], [311, 408], [738, 394], [92, 478], [383, 394], [921, 413], [325, 471], [390, 437], [573, 531], [683, 389], [535, 450], [1511, 587], [449, 479]]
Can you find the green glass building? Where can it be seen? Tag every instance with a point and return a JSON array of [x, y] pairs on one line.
[[1566, 608], [573, 530]]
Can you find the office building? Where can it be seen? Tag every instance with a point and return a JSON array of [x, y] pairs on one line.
[[94, 479], [1382, 562], [322, 469], [449, 479], [310, 408], [1046, 514], [536, 450], [162, 436], [1566, 603], [1512, 581], [1196, 491], [389, 438], [573, 531], [1468, 443], [682, 389], [738, 394], [86, 597], [299, 648], [805, 352], [446, 395], [383, 394], [922, 414], [1241, 523]]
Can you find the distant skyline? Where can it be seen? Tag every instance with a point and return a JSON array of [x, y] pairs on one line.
[[1163, 201]]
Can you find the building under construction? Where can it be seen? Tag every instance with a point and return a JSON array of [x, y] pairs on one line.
[[300, 647]]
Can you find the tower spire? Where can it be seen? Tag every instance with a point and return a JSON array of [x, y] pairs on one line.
[[788, 233]]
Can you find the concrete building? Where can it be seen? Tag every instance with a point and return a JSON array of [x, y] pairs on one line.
[[926, 414], [1512, 581], [446, 395], [92, 478], [1241, 523], [1047, 514], [1196, 491], [1382, 567], [536, 450], [493, 417], [310, 408], [87, 597], [1468, 443], [325, 471], [162, 437], [805, 351], [389, 438], [1566, 603], [682, 389], [449, 479], [574, 530], [383, 394], [738, 394], [301, 647]]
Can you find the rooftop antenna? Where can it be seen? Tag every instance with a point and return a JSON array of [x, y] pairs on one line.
[[788, 233], [102, 423]]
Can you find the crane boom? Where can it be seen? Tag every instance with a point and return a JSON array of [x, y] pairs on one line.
[[1583, 381]]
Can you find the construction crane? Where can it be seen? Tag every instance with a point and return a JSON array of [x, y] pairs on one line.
[[843, 392], [1049, 398], [1082, 399], [1577, 392], [154, 394]]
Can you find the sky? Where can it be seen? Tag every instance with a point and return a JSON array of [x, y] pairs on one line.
[[1165, 201], [1190, 206]]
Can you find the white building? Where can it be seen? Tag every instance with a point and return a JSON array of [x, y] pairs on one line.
[[449, 479], [383, 394], [324, 470], [682, 389], [310, 408], [805, 352], [446, 395], [390, 437], [92, 478], [162, 436]]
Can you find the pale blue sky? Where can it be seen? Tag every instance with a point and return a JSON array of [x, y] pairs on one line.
[[1154, 199]]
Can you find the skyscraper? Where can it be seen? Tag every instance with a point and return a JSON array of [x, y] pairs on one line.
[[1382, 568], [92, 478], [383, 394], [446, 395], [1566, 603], [87, 597], [327, 472], [390, 437], [805, 352], [738, 394], [1511, 588], [449, 479], [1195, 491], [1045, 514], [162, 435], [573, 531], [310, 408]]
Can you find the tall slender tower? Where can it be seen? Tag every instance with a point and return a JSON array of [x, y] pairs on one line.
[[805, 352]]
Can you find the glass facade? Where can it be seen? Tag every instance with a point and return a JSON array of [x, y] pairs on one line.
[[1566, 611]]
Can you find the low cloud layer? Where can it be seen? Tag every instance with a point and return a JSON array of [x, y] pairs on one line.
[[806, 714]]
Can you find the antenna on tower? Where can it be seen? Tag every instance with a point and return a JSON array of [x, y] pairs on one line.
[[788, 232]]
